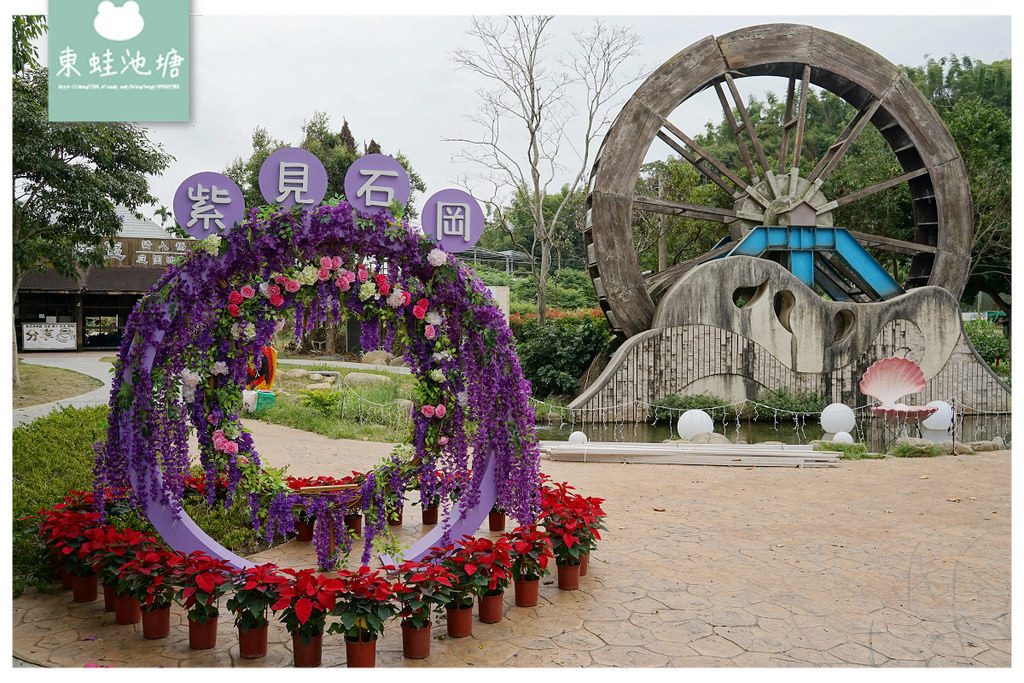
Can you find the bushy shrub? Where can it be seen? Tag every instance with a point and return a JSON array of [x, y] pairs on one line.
[[850, 451], [50, 457], [989, 341], [555, 354], [915, 450], [802, 401], [671, 407]]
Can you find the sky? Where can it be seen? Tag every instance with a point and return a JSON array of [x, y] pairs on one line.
[[392, 79]]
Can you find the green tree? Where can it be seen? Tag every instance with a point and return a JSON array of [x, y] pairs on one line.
[[67, 179]]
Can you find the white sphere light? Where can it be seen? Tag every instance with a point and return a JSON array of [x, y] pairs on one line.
[[577, 438], [838, 417], [694, 422], [941, 418], [842, 437]]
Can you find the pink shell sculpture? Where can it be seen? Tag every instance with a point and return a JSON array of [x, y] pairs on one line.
[[889, 380]]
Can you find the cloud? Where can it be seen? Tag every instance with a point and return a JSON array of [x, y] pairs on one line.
[[118, 23]]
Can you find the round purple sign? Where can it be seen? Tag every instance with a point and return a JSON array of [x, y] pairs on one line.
[[293, 176], [207, 204], [453, 219], [374, 181]]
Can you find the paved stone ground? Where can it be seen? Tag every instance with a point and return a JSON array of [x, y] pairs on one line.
[[875, 563]]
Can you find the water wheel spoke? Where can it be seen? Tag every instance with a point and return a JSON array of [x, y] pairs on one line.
[[873, 189], [701, 159], [674, 208], [754, 140], [737, 135], [846, 138]]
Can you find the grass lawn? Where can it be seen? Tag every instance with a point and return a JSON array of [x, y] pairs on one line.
[[42, 385]]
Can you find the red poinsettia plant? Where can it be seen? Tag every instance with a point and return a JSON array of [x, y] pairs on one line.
[[531, 551], [423, 588], [107, 549], [571, 521], [63, 533], [481, 566], [149, 577], [256, 590], [201, 582], [365, 602], [304, 602]]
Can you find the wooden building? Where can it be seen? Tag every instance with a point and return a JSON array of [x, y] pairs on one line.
[[54, 312]]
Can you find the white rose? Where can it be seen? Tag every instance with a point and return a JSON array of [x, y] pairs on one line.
[[436, 257]]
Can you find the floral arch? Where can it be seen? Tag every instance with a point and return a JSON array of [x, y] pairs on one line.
[[188, 342]]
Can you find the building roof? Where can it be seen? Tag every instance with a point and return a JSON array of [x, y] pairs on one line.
[[146, 228], [134, 280]]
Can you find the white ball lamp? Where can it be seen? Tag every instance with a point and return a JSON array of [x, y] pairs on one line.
[[577, 438], [694, 422], [838, 417], [842, 437]]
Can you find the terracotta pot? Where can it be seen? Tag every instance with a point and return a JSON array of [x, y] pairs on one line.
[[303, 531], [65, 577], [252, 644], [156, 623], [415, 641], [359, 654], [395, 518], [496, 521], [355, 523], [126, 610], [429, 514], [109, 596], [202, 636], [305, 656], [584, 563], [460, 621], [569, 577], [84, 588], [527, 592], [492, 608]]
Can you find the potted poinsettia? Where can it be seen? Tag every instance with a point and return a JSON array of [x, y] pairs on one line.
[[149, 578], [423, 588], [365, 602], [108, 549], [256, 589], [63, 531], [531, 551], [492, 560], [303, 603], [201, 583], [567, 518], [591, 535]]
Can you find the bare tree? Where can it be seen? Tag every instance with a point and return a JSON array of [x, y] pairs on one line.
[[538, 98]]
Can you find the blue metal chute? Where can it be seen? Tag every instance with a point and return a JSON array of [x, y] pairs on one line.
[[800, 244]]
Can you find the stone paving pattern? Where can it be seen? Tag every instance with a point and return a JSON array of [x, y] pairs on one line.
[[875, 563]]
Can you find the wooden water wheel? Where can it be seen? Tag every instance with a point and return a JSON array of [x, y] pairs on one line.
[[765, 193]]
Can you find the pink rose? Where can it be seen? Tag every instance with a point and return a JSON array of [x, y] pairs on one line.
[[231, 447], [292, 286], [336, 262], [324, 274], [281, 279], [362, 275], [430, 332], [406, 298], [233, 310], [247, 292], [427, 410], [350, 276], [343, 283], [442, 441], [243, 460], [277, 299], [325, 262], [424, 304], [219, 434], [440, 410], [418, 312], [234, 298], [273, 290], [385, 289]]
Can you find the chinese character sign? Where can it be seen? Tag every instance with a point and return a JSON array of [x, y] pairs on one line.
[[293, 176], [374, 181], [118, 62], [453, 219], [207, 204]]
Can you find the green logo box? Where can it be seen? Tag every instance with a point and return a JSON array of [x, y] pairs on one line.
[[126, 60]]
